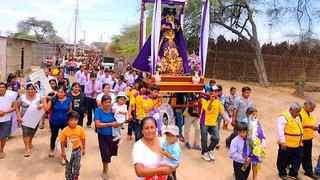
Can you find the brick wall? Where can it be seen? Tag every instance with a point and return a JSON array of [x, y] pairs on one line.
[[233, 60]]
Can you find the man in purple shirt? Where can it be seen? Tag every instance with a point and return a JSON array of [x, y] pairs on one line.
[[92, 89], [120, 86]]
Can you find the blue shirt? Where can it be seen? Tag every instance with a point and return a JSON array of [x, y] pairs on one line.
[[207, 88], [59, 110], [174, 150], [104, 117], [223, 101]]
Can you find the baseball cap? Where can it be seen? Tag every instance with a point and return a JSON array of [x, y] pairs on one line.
[[172, 129]]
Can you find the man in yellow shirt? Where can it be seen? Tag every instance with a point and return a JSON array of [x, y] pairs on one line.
[[130, 92], [136, 109], [309, 128], [210, 110]]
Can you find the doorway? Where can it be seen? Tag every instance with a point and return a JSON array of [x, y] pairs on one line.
[[22, 58]]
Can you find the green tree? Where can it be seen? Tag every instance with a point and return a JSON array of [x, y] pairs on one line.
[[42, 30]]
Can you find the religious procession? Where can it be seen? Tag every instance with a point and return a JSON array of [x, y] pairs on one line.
[[78, 117]]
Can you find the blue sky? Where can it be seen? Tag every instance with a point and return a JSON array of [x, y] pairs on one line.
[[97, 17], [104, 17]]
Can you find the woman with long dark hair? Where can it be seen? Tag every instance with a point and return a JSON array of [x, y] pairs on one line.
[[79, 102], [60, 106], [147, 152], [12, 78]]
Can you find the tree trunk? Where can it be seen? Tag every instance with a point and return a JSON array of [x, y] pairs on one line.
[[260, 67]]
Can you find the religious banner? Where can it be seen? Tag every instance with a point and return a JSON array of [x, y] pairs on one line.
[[43, 87], [204, 36], [32, 116]]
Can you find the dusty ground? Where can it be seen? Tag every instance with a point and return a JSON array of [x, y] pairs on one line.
[[39, 166]]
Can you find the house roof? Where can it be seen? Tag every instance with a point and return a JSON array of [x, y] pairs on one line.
[[23, 39]]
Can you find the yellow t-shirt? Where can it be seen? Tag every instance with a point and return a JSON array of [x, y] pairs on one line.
[[147, 102], [74, 135], [137, 101], [209, 117]]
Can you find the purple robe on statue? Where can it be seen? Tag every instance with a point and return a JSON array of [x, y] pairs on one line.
[[141, 63]]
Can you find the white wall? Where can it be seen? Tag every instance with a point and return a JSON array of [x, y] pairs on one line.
[[3, 44]]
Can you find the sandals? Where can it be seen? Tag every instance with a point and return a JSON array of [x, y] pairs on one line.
[[27, 154], [129, 138]]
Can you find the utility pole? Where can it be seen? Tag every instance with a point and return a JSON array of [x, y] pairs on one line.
[[75, 29], [84, 36]]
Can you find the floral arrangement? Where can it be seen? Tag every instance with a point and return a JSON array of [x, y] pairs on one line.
[[257, 141], [194, 63]]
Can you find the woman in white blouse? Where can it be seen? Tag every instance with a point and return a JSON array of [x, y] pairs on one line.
[[147, 153]]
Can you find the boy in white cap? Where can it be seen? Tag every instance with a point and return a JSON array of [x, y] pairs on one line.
[[171, 148], [119, 109]]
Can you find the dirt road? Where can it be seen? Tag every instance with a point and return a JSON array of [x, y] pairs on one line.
[[39, 166]]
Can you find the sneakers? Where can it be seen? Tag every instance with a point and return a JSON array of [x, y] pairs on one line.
[[197, 147], [51, 153], [211, 156], [27, 153], [88, 126], [104, 176], [187, 145], [206, 157]]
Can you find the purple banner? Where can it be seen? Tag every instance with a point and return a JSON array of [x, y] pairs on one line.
[[203, 36], [176, 2]]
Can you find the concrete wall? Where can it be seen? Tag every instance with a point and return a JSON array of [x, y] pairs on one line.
[[41, 51], [3, 46], [14, 53]]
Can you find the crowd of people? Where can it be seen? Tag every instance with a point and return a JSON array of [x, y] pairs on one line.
[[109, 100]]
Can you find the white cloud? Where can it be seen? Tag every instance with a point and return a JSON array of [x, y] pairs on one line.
[[5, 12]]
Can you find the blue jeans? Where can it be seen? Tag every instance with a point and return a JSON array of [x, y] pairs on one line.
[[137, 129], [179, 120], [214, 133]]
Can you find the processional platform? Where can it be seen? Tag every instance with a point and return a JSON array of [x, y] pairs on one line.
[[178, 84]]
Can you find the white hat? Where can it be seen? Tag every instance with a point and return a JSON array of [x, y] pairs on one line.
[[172, 129], [122, 94], [215, 88]]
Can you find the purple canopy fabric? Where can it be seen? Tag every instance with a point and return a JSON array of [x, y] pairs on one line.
[[176, 2], [141, 63]]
